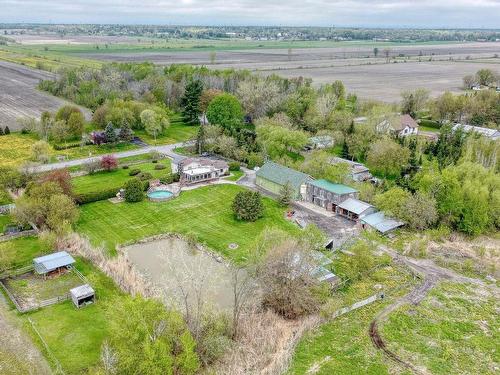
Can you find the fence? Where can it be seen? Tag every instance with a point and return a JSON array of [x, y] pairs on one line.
[[24, 233], [7, 208]]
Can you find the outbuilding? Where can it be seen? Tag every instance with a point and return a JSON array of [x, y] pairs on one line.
[[354, 209], [378, 221], [273, 177], [52, 263], [82, 295], [328, 195]]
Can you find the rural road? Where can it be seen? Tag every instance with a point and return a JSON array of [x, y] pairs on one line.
[[430, 274], [167, 150]]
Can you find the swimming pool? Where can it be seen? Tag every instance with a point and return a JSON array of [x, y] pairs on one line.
[[160, 195]]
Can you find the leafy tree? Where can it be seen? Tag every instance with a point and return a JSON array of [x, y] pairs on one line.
[[392, 201], [258, 96], [76, 124], [486, 77], [449, 146], [190, 102], [59, 131], [125, 134], [61, 177], [110, 133], [134, 190], [414, 101], [1, 131], [248, 206], [387, 157], [318, 164], [149, 339], [206, 97], [225, 110], [40, 152], [286, 195], [109, 163], [153, 122], [361, 262], [277, 139], [375, 51]]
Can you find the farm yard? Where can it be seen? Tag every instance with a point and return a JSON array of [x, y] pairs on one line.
[[19, 96]]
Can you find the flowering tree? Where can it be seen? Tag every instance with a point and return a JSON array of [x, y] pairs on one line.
[[109, 163]]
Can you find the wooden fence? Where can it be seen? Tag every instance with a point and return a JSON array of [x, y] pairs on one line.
[[24, 233]]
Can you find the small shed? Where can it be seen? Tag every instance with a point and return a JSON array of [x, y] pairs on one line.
[[354, 209], [53, 262], [381, 223], [82, 295]]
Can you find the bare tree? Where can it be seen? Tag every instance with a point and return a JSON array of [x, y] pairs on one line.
[[387, 54], [244, 290]]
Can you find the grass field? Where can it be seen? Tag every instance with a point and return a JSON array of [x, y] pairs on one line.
[[4, 220], [5, 198], [455, 330], [178, 131], [204, 213], [235, 176], [116, 179], [343, 346], [15, 148], [20, 252]]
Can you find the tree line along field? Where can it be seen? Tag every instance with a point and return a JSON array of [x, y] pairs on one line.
[[19, 96]]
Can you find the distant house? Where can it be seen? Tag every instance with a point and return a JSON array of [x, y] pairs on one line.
[[52, 263], [328, 195], [320, 142], [272, 177], [195, 170], [378, 221], [354, 209], [404, 126], [486, 132], [359, 172]]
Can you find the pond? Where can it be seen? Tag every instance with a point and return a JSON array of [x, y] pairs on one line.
[[182, 272]]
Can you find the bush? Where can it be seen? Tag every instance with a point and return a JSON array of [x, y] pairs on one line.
[[125, 166], [134, 190], [170, 178], [248, 206], [109, 163], [134, 172], [6, 130], [254, 160], [144, 176], [234, 166], [95, 196], [67, 146], [91, 166], [154, 161], [159, 167]]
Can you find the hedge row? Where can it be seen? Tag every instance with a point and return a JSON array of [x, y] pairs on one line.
[[101, 195], [67, 146]]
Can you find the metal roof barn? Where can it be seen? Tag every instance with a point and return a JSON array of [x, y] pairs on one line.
[[354, 205], [51, 262]]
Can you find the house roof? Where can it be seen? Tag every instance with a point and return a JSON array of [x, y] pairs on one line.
[[333, 188], [355, 166], [405, 121], [201, 162], [487, 132], [355, 205], [282, 175], [381, 223], [82, 291], [53, 261]]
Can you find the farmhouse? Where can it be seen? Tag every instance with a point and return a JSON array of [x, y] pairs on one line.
[[53, 263], [328, 195], [486, 132], [195, 170], [320, 142], [359, 172], [273, 177], [354, 209], [82, 295], [378, 221], [404, 126]]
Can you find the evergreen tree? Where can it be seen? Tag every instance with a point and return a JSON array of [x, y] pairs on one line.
[[7, 130], [345, 151], [190, 102], [1, 131], [286, 195], [248, 206], [125, 133], [110, 133], [350, 131], [200, 139]]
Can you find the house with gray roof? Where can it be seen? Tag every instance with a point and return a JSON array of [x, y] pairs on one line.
[[272, 177], [53, 262], [327, 194], [354, 209], [359, 172], [378, 221]]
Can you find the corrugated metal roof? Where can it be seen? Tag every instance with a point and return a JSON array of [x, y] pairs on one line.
[[381, 223], [82, 291], [355, 205], [282, 175], [53, 261], [333, 188]]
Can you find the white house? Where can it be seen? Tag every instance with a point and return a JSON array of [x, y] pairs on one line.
[[402, 127]]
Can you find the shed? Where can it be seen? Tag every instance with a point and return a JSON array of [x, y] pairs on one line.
[[354, 209], [380, 222], [52, 262], [272, 177], [320, 142], [328, 195], [82, 295]]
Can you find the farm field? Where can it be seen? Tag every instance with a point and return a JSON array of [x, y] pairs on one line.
[[117, 178], [19, 96], [204, 213]]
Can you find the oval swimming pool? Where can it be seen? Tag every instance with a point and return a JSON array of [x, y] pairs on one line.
[[160, 195]]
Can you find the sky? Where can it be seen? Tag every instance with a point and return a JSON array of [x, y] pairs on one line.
[[364, 13]]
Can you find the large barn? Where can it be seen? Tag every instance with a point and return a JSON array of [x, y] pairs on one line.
[[272, 177]]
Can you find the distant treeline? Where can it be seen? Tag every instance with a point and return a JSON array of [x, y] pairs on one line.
[[258, 32]]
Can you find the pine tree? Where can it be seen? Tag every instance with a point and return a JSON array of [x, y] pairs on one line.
[[190, 102], [125, 133], [200, 139], [7, 130], [345, 151], [1, 131], [110, 133], [286, 195]]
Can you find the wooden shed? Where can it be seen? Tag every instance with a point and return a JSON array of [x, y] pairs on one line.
[[82, 295]]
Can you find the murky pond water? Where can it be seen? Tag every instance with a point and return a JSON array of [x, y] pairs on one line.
[[182, 272]]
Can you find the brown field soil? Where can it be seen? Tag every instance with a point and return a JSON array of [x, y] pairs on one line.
[[19, 96], [361, 72], [47, 38]]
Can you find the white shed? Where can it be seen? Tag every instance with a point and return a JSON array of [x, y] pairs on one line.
[[82, 295]]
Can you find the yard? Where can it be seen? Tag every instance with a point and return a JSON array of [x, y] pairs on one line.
[[116, 179], [178, 131], [204, 213], [15, 148], [20, 252]]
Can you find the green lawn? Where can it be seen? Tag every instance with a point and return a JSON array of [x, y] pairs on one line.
[[205, 213], [4, 197], [178, 131], [116, 179], [455, 330], [235, 176], [93, 150], [4, 220], [343, 346], [20, 252]]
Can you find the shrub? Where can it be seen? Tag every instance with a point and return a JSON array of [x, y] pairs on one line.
[[6, 130], [254, 160], [234, 166], [134, 190], [125, 166], [248, 206], [159, 167], [95, 196], [109, 163], [169, 178], [134, 172], [91, 166], [144, 176], [67, 146], [154, 161]]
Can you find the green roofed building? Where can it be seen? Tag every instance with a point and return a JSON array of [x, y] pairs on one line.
[[328, 195], [272, 177]]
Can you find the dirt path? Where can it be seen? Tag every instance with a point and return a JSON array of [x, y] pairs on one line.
[[430, 274]]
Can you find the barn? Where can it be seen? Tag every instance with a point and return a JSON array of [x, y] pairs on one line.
[[54, 262], [272, 177]]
